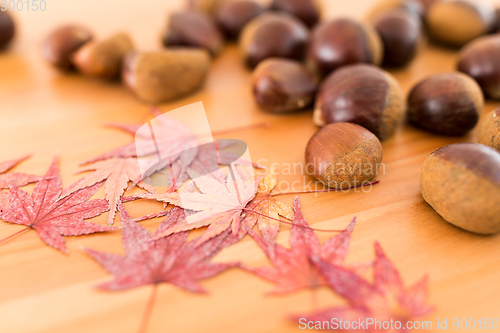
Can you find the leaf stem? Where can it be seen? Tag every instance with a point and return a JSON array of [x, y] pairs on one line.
[[15, 234], [146, 318], [327, 190], [289, 223]]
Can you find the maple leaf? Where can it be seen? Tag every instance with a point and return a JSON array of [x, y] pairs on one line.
[[171, 259], [151, 261], [169, 137], [219, 205], [116, 173], [269, 208], [52, 217], [18, 179], [170, 144], [293, 268], [4, 200], [385, 299]]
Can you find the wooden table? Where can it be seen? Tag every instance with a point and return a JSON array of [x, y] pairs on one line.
[[46, 113]]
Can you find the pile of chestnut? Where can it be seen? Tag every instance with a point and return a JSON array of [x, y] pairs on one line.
[[335, 67], [299, 61]]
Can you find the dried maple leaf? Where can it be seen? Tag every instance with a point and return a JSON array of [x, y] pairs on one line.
[[52, 217], [4, 200], [384, 300], [116, 173], [169, 137], [270, 210], [293, 268], [170, 144], [17, 179], [171, 259], [220, 205]]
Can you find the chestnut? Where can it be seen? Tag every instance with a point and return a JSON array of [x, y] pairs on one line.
[[480, 59], [462, 183], [457, 22], [103, 59], [413, 7], [364, 95], [489, 130], [283, 85], [232, 16], [7, 28], [156, 77], [273, 35], [448, 104], [308, 11], [343, 155], [193, 29], [343, 42], [60, 45], [400, 32]]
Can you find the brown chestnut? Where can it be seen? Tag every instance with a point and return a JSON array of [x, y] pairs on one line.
[[343, 42], [457, 22], [273, 35], [343, 155], [364, 95], [156, 77], [400, 32], [462, 183], [448, 104], [480, 59], [489, 130], [413, 7], [60, 45], [103, 59], [7, 28], [283, 85], [308, 11], [193, 29], [232, 16]]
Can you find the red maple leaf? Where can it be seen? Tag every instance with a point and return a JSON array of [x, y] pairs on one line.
[[18, 179], [173, 146], [385, 299], [269, 209], [220, 205], [293, 268], [171, 259], [52, 217], [116, 174]]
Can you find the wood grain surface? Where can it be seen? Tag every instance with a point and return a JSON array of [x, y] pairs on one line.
[[46, 113]]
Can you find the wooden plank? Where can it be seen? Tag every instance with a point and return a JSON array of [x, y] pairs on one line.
[[47, 113]]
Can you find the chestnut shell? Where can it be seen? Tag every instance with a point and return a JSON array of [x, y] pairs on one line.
[[447, 104], [462, 183], [7, 29], [400, 32], [480, 60], [343, 155], [364, 95], [343, 42], [273, 35]]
